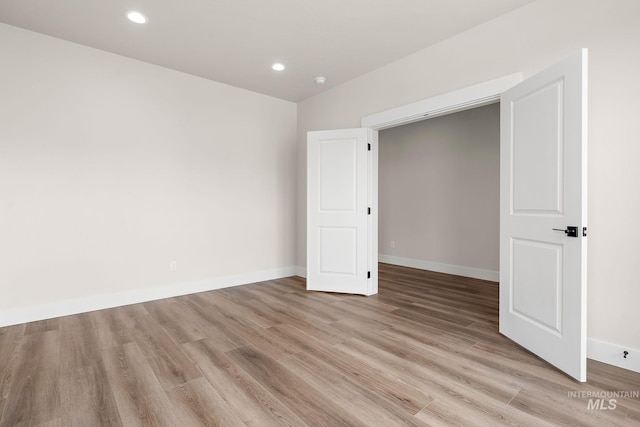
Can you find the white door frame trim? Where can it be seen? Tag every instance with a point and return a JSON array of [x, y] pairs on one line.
[[478, 95], [458, 100]]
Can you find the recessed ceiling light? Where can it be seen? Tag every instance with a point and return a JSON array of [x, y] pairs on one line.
[[320, 80], [136, 17], [278, 66]]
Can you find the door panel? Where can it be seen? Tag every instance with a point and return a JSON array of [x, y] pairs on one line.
[[338, 250], [537, 158], [543, 190], [338, 165], [339, 195], [537, 292]]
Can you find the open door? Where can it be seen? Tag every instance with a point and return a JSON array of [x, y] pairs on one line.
[[342, 247], [543, 214]]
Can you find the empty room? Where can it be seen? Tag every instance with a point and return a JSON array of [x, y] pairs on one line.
[[251, 213]]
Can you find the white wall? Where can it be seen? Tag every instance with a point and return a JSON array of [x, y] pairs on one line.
[[439, 193], [528, 40], [111, 168]]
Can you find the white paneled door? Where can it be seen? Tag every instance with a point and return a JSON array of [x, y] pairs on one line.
[[543, 219], [341, 205]]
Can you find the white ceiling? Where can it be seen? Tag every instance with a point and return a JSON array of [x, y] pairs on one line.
[[236, 41]]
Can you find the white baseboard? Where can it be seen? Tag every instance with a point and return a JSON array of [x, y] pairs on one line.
[[99, 302], [613, 354], [476, 273]]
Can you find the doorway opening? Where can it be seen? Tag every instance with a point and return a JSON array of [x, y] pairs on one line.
[[446, 105], [439, 194]]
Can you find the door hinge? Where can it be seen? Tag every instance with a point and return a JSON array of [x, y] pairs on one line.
[[584, 231], [368, 275], [368, 147], [368, 211]]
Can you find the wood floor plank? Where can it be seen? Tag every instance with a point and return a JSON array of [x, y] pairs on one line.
[[432, 377], [34, 395], [114, 326], [425, 351], [452, 411], [198, 403], [242, 393], [139, 397], [448, 366], [80, 347], [446, 309], [10, 337], [310, 303], [371, 303], [398, 393], [633, 417], [313, 407], [291, 317], [178, 321], [80, 320], [87, 397], [42, 326], [269, 313], [491, 325], [239, 294], [298, 316], [253, 334], [433, 321], [431, 336], [377, 319], [277, 288], [169, 364], [215, 326], [240, 312], [370, 407], [465, 390], [58, 422], [521, 366]]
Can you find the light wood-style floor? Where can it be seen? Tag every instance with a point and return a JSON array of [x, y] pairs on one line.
[[425, 351]]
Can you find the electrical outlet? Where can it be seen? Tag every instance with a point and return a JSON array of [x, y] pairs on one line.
[[173, 266], [393, 244]]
